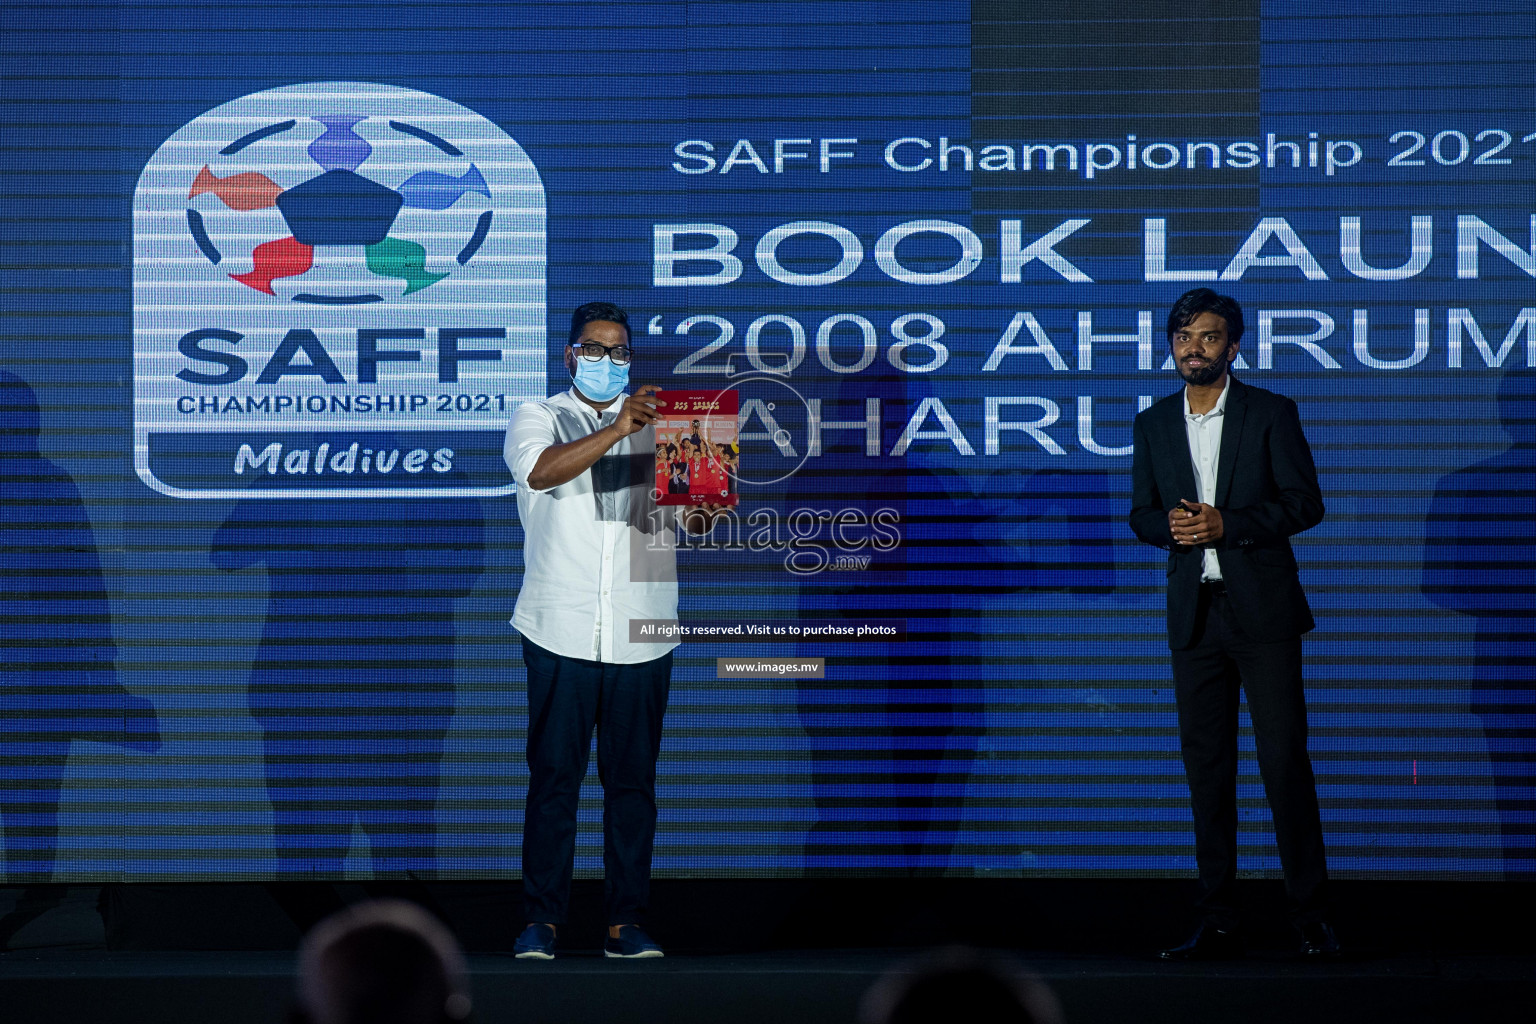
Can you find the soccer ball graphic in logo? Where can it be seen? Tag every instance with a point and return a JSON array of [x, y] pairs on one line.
[[366, 210]]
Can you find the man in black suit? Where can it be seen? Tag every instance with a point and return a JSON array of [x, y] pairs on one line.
[[1223, 477]]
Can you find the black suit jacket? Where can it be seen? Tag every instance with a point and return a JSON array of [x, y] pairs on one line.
[[1266, 490]]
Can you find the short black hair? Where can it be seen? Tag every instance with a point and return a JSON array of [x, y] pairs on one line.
[[382, 961], [1202, 300], [993, 986], [603, 311]]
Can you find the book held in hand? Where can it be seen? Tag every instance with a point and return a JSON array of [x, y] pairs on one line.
[[696, 448]]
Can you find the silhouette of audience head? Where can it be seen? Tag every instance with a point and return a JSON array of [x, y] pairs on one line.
[[381, 962], [959, 983]]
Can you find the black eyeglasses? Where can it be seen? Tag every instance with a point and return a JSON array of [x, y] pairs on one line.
[[591, 350]]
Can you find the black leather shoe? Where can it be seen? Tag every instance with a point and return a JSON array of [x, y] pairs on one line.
[[1208, 943], [1318, 941]]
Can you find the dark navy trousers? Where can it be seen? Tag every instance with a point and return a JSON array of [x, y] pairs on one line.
[[567, 698]]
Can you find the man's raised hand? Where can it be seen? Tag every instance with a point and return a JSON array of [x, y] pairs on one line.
[[638, 412]]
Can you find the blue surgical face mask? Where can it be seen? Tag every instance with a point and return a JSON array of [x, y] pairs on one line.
[[601, 380]]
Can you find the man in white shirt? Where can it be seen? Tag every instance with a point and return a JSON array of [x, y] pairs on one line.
[[598, 552], [1222, 477]]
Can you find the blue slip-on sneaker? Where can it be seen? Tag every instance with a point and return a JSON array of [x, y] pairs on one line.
[[632, 944], [536, 943]]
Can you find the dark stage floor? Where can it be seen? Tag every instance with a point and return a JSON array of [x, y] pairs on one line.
[[86, 987], [788, 952]]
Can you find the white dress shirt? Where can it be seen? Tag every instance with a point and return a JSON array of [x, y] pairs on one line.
[[597, 550], [1204, 430]]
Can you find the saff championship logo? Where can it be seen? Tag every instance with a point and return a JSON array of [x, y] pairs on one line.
[[338, 292], [339, 206]]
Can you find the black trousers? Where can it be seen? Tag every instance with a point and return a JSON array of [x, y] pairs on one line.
[[567, 697], [1207, 677]]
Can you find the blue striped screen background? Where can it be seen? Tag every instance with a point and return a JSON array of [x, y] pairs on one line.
[[327, 686]]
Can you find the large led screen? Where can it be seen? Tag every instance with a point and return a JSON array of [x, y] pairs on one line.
[[277, 275]]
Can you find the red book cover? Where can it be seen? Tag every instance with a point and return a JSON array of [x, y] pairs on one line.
[[696, 448]]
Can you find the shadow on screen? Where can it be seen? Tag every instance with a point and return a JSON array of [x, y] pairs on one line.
[[60, 681], [889, 791], [1480, 560], [353, 682]]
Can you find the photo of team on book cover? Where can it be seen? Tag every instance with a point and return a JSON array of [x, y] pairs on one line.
[[697, 455]]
